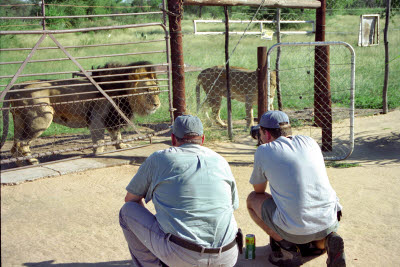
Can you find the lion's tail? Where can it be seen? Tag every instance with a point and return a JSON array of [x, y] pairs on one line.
[[6, 119], [198, 83]]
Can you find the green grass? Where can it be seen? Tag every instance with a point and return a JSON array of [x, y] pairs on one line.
[[332, 164], [369, 63], [206, 51]]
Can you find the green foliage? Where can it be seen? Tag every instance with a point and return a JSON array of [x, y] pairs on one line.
[[369, 60], [333, 164]]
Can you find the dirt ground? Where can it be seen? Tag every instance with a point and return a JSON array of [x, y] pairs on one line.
[[72, 220]]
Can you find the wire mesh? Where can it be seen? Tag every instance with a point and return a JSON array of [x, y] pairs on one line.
[[309, 115], [207, 51], [71, 94]]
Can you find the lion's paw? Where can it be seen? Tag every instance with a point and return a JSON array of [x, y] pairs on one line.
[[122, 146]]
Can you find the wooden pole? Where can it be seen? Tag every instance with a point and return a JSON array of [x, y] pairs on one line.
[[322, 90], [228, 80], [278, 57], [44, 15], [386, 79], [262, 81], [178, 67]]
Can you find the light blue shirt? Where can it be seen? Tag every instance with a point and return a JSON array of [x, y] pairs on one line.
[[193, 191], [295, 169]]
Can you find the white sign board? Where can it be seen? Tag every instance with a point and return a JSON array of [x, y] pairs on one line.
[[369, 30]]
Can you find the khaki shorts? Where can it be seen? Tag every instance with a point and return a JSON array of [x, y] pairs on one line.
[[267, 212]]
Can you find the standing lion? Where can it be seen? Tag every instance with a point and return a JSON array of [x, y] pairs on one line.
[[78, 104], [244, 88]]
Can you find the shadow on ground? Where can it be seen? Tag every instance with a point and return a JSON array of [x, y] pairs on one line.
[[382, 150], [77, 264]]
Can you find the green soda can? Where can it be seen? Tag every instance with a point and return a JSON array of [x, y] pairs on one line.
[[250, 247]]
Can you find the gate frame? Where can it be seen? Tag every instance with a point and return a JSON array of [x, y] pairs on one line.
[[43, 33], [352, 82], [319, 5]]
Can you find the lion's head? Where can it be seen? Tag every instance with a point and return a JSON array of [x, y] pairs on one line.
[[136, 81]]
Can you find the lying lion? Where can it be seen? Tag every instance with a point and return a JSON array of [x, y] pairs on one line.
[[244, 88], [80, 106]]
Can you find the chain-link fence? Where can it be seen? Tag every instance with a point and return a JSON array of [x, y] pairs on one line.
[[296, 74], [105, 38], [319, 103], [69, 93]]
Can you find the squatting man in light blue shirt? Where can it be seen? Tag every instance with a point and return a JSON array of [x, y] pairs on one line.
[[302, 212], [194, 194]]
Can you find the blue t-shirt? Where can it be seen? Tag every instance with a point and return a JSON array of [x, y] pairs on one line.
[[294, 167], [193, 191]]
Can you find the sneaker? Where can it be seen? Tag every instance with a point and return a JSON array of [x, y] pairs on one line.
[[285, 253], [335, 248], [276, 249], [310, 250]]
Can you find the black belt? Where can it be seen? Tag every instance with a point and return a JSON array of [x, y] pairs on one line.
[[194, 247]]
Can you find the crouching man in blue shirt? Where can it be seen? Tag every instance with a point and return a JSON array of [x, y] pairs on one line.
[[302, 212], [194, 194]]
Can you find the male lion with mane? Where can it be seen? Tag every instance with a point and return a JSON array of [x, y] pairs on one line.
[[76, 105], [244, 88]]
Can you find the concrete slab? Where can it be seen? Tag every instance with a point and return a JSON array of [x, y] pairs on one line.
[[58, 168], [23, 175]]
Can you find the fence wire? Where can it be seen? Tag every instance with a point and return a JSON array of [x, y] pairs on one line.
[[74, 92], [326, 113], [368, 76]]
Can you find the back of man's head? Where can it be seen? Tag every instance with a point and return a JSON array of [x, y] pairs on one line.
[[188, 129], [276, 123]]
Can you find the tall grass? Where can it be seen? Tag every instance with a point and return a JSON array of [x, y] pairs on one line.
[[207, 51], [370, 61]]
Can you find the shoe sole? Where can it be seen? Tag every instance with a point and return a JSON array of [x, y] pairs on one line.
[[336, 257]]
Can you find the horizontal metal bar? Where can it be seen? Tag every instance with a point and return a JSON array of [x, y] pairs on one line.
[[64, 72], [296, 32], [267, 3], [85, 29], [81, 76], [74, 85], [310, 44], [82, 46], [128, 74], [87, 57], [252, 33], [219, 33], [253, 21], [75, 93], [85, 16], [77, 101], [261, 22], [130, 67]]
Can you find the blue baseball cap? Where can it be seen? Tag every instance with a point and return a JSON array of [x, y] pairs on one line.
[[272, 118], [185, 124]]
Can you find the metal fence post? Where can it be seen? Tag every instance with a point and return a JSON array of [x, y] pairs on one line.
[[278, 57], [386, 77], [44, 15], [262, 81], [228, 81], [178, 68], [322, 90]]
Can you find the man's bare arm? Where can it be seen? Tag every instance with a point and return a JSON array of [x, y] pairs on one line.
[[133, 198], [260, 188]]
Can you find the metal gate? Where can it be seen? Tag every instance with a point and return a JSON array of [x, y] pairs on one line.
[[72, 86], [328, 118]]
